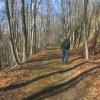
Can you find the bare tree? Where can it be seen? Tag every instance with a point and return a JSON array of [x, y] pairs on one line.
[[24, 28], [10, 29], [35, 37], [85, 30]]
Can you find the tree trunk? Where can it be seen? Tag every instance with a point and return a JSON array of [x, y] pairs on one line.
[[10, 29], [24, 29], [35, 36], [85, 30]]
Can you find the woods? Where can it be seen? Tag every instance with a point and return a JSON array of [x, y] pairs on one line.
[[32, 25], [71, 14], [49, 49]]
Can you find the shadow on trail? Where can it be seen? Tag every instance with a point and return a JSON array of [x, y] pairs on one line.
[[49, 91], [46, 58], [37, 66], [76, 59], [15, 86], [50, 57], [52, 48], [97, 58], [95, 63], [33, 67]]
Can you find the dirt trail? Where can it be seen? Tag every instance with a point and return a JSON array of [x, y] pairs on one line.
[[45, 77]]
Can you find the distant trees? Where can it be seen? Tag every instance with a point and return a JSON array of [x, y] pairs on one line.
[[28, 31], [77, 22]]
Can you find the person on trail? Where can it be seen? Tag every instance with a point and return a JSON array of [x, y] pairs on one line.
[[65, 46]]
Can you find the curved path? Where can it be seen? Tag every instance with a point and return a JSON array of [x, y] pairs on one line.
[[44, 77]]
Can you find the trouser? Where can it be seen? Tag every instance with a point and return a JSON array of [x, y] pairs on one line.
[[65, 53]]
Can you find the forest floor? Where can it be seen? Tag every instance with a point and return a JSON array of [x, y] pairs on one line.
[[44, 77]]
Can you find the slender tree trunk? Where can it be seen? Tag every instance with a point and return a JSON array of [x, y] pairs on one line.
[[24, 29], [85, 30], [35, 36], [31, 30], [10, 29], [63, 18]]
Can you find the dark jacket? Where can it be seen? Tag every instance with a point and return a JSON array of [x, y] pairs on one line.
[[66, 44]]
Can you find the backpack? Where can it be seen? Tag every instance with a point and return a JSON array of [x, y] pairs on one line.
[[61, 42], [65, 43]]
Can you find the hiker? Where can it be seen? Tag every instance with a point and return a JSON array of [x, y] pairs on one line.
[[65, 46]]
